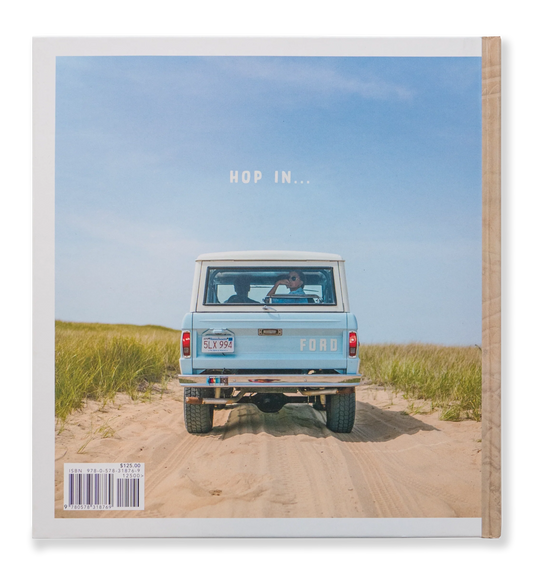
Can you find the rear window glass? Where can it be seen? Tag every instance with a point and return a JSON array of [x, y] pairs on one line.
[[305, 286]]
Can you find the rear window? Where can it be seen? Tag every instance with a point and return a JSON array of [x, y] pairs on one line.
[[279, 286]]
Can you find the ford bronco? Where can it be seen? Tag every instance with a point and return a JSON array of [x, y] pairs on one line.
[[269, 328]]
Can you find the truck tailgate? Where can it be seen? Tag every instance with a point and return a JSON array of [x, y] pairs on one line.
[[268, 340]]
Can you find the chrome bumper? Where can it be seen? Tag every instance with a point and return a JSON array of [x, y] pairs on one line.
[[271, 380]]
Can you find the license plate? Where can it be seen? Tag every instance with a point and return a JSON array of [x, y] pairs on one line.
[[218, 344]]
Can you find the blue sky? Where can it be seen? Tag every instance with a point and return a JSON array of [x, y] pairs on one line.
[[391, 148]]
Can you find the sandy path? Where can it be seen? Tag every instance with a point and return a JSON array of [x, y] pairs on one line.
[[282, 465]]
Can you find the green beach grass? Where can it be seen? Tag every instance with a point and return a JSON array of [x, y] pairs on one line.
[[448, 378], [97, 361]]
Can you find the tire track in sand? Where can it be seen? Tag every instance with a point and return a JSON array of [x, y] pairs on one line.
[[287, 464]]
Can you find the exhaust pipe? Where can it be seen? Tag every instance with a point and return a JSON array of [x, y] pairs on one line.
[[215, 400], [320, 391]]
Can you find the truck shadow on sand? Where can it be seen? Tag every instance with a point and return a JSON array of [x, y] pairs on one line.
[[372, 424]]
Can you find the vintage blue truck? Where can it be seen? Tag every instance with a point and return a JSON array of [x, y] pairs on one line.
[[269, 328]]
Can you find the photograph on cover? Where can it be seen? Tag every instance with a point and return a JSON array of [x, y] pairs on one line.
[[267, 287]]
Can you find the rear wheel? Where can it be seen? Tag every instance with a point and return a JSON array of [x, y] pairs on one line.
[[198, 418], [340, 412]]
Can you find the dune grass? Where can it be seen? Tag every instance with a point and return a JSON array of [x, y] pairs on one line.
[[448, 378], [96, 361]]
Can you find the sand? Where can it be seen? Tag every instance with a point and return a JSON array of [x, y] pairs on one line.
[[285, 465]]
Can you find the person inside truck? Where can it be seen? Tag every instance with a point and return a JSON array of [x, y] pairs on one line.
[[295, 281], [242, 287]]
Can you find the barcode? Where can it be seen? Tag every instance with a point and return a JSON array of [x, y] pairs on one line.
[[90, 486], [128, 492]]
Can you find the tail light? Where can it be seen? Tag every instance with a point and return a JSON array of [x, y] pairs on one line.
[[352, 344], [186, 343]]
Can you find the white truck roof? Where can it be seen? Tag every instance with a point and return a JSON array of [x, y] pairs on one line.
[[271, 255]]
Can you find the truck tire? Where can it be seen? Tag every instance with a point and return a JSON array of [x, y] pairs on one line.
[[198, 418], [340, 412]]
